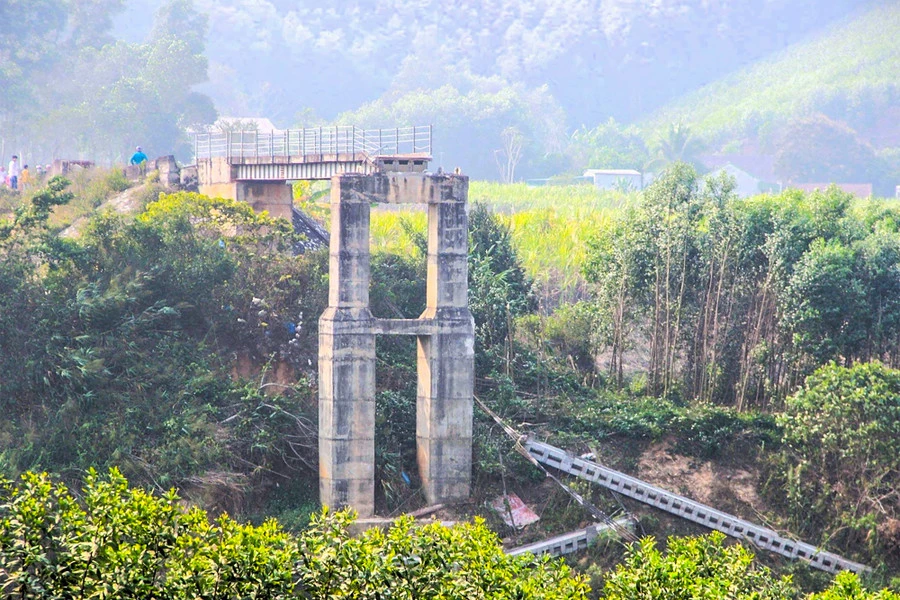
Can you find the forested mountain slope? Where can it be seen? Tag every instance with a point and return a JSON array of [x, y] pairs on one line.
[[848, 72], [599, 58]]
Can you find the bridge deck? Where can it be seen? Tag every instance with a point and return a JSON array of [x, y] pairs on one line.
[[316, 153]]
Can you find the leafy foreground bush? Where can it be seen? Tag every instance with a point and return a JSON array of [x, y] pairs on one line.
[[120, 542], [700, 567], [838, 471], [703, 568]]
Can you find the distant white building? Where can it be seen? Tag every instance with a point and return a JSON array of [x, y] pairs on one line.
[[747, 184], [261, 124], [623, 180], [754, 174]]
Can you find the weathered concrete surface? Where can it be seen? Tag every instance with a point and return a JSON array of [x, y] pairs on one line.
[[276, 197], [347, 359], [445, 334], [446, 360], [211, 171], [218, 179]]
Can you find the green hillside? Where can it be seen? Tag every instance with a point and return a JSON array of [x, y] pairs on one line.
[[848, 72]]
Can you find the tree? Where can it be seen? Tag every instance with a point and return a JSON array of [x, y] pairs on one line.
[[650, 262], [839, 467], [409, 561], [90, 22], [28, 45], [470, 114], [499, 288], [677, 145], [610, 146], [704, 568], [825, 304], [76, 91], [179, 19], [121, 343], [847, 586], [508, 157]]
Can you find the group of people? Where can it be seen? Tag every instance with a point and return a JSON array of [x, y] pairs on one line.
[[20, 178]]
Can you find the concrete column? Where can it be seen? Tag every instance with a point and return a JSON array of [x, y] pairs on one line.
[[217, 177], [347, 357], [447, 358], [276, 197]]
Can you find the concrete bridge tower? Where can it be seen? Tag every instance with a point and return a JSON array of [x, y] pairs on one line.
[[445, 334]]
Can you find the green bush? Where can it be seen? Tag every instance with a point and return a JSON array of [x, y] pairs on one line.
[[694, 568], [847, 586], [704, 568], [120, 542], [120, 343], [701, 430], [838, 471]]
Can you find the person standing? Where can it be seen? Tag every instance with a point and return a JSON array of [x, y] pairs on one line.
[[139, 159], [13, 172], [25, 178]]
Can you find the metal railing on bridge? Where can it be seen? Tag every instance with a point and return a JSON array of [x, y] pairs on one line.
[[311, 142]]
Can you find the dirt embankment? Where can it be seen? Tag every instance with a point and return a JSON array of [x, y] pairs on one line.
[[126, 202], [728, 488]]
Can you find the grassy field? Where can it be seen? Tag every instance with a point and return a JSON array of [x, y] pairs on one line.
[[550, 226], [853, 63]]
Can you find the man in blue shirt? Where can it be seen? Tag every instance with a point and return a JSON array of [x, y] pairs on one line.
[[139, 159]]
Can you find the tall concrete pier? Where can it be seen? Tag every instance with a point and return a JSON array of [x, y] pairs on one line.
[[445, 333]]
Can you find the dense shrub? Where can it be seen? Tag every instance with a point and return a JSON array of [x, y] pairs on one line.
[[839, 468], [118, 347], [735, 301], [119, 542], [694, 568], [705, 568]]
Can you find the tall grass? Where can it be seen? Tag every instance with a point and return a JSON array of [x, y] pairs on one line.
[[90, 187], [550, 227], [516, 197]]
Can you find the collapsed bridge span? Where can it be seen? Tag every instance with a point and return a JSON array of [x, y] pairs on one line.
[[762, 537]]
